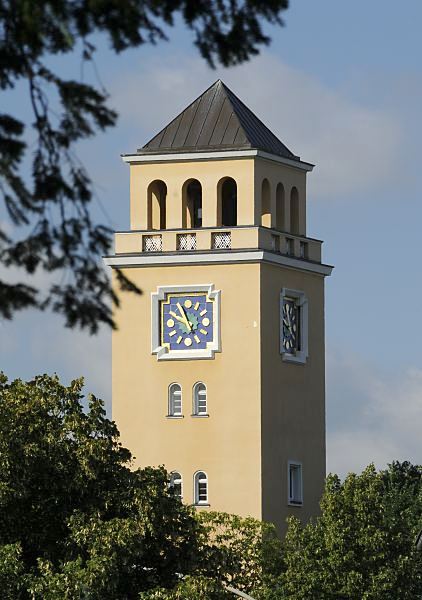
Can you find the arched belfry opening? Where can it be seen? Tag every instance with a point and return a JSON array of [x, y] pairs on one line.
[[227, 203], [157, 195], [280, 208], [265, 204], [192, 204], [294, 211]]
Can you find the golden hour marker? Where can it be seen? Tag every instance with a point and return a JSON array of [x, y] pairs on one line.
[[172, 333], [197, 340], [206, 321], [196, 306], [203, 331], [170, 323], [179, 339], [188, 342], [188, 303], [203, 312]]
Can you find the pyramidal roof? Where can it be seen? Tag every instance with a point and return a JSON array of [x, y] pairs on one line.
[[217, 120]]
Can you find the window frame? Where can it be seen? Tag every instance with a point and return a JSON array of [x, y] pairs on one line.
[[173, 482], [195, 400], [196, 500], [301, 302], [294, 465], [171, 414]]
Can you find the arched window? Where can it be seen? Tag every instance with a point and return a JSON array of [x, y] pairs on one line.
[[175, 400], [227, 203], [156, 208], [192, 204], [280, 208], [200, 399], [294, 211], [201, 488], [265, 204], [176, 484]]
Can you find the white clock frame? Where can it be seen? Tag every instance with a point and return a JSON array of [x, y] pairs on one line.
[[162, 352], [302, 303]]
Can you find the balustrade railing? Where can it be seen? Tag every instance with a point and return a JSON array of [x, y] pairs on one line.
[[152, 243], [186, 241], [221, 240]]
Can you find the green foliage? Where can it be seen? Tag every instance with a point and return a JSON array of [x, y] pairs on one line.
[[75, 520], [78, 523], [241, 552], [55, 203], [191, 588], [12, 578], [362, 546]]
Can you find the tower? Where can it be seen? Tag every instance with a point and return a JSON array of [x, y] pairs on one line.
[[218, 367]]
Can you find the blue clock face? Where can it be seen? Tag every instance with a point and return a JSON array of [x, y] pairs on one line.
[[187, 321], [290, 326]]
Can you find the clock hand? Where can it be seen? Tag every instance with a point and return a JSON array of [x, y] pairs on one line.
[[185, 320]]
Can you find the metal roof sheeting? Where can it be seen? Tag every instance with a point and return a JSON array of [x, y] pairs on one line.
[[217, 120]]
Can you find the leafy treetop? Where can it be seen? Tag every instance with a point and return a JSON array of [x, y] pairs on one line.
[[53, 208]]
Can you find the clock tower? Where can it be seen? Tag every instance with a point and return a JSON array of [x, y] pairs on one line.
[[218, 367]]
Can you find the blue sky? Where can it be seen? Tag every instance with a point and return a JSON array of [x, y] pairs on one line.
[[341, 85]]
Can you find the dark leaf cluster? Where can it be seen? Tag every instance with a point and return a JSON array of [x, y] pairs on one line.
[[52, 207], [76, 521]]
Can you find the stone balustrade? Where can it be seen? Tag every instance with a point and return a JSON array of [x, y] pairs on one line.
[[219, 240]]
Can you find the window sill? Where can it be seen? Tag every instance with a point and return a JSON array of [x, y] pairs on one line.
[[299, 358], [175, 416], [201, 504], [296, 504], [204, 416]]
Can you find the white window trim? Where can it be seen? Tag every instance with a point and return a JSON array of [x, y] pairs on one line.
[[302, 302], [196, 500], [170, 414], [290, 501], [181, 481], [195, 403]]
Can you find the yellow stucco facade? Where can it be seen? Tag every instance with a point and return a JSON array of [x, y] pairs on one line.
[[260, 443], [262, 410]]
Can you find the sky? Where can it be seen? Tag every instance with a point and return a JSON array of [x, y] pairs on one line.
[[340, 85]]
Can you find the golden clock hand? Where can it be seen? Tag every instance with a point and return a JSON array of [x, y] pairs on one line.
[[185, 319]]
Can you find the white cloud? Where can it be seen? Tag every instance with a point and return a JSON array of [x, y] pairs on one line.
[[372, 416], [356, 147]]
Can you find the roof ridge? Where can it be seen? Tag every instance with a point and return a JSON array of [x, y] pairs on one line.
[[181, 113], [231, 93], [220, 120]]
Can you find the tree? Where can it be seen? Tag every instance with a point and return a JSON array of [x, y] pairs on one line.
[[75, 520], [237, 552], [53, 209], [362, 546]]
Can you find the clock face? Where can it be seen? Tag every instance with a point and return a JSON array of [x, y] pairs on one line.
[[290, 328], [187, 321]]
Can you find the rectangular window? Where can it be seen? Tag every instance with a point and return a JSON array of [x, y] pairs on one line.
[[303, 250], [177, 405], [202, 491], [202, 403], [293, 325], [295, 486]]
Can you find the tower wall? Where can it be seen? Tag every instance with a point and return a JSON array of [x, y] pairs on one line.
[[226, 445], [293, 399]]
